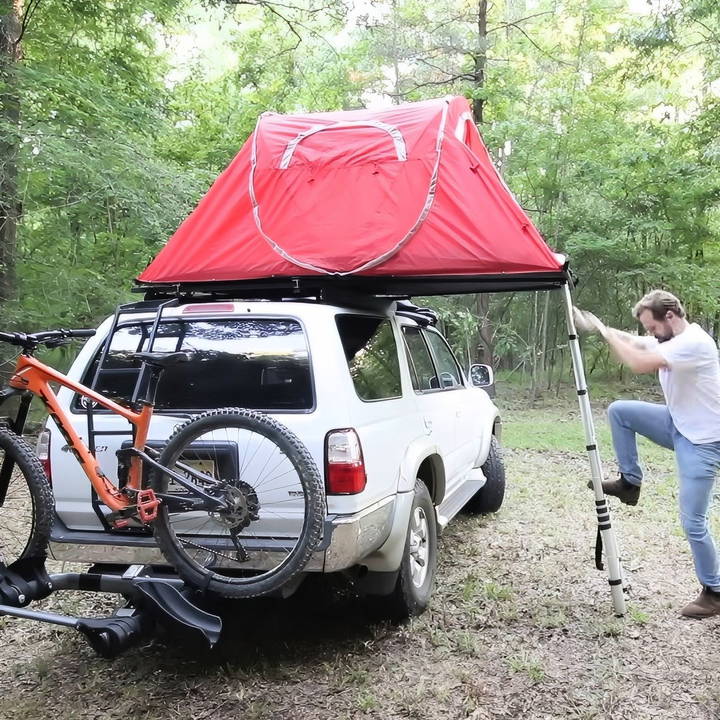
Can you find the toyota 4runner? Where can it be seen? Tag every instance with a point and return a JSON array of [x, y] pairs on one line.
[[402, 436]]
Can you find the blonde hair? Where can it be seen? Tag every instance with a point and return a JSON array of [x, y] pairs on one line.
[[659, 302]]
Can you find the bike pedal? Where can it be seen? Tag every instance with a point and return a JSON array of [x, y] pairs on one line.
[[147, 506]]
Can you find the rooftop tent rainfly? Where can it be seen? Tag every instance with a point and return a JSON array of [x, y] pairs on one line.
[[407, 192]]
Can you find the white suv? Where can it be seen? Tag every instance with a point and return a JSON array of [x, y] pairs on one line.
[[403, 439]]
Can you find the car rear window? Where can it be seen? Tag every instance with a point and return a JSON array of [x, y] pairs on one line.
[[258, 363]]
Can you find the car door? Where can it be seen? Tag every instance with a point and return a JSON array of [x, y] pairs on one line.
[[434, 399], [455, 396]]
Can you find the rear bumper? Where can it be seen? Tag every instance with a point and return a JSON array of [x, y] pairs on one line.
[[347, 539]]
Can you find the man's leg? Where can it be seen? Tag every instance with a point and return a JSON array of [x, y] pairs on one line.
[[630, 418], [697, 465]]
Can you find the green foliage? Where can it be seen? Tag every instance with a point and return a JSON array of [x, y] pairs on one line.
[[115, 150], [98, 196], [604, 122], [605, 125]]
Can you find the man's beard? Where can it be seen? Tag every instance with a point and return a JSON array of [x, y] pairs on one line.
[[664, 338]]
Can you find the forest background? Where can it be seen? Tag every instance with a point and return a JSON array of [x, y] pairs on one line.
[[603, 116]]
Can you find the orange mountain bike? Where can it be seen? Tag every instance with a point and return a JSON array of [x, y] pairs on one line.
[[234, 499]]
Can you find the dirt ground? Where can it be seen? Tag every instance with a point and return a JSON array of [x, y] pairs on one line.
[[521, 626]]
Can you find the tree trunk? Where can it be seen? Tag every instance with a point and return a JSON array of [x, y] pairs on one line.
[[484, 328], [10, 207], [480, 61], [478, 104]]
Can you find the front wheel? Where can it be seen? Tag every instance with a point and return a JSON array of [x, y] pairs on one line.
[[489, 498], [26, 501], [273, 505]]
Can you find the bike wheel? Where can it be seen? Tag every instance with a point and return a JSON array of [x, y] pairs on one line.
[[274, 504], [26, 501]]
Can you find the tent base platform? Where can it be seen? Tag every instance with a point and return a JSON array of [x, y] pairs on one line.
[[329, 287]]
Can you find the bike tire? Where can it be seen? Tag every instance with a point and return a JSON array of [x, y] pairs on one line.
[[26, 513], [233, 444]]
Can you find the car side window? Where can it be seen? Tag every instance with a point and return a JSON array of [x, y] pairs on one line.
[[422, 370], [371, 354], [447, 366]]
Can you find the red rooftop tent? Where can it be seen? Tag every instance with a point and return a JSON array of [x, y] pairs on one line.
[[396, 202], [404, 200]]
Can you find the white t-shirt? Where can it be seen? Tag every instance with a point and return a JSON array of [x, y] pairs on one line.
[[691, 383]]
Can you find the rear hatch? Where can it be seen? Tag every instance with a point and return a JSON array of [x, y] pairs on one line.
[[256, 362]]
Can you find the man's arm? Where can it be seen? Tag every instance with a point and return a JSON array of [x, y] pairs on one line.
[[631, 350], [639, 342], [638, 359]]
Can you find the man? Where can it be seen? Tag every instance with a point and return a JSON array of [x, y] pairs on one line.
[[686, 359]]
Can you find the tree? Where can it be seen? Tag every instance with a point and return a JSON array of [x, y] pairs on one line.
[[12, 23]]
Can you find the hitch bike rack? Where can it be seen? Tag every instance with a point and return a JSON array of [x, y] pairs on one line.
[[150, 600]]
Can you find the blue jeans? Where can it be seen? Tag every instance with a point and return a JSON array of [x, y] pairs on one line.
[[696, 467]]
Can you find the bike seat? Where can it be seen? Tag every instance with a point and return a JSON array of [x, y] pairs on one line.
[[160, 359]]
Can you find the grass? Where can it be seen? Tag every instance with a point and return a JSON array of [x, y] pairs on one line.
[[530, 666], [493, 591], [637, 615], [520, 624], [557, 426], [366, 701]]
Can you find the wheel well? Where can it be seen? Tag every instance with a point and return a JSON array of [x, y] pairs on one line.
[[432, 473]]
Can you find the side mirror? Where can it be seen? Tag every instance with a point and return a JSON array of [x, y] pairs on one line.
[[481, 375]]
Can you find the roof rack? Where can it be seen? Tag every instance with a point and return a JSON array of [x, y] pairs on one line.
[[330, 288], [422, 316]]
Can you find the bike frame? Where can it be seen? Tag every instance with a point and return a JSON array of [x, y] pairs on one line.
[[34, 376]]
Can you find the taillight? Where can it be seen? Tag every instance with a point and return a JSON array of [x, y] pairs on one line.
[[43, 451], [344, 464]]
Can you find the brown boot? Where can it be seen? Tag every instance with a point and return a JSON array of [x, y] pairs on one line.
[[623, 490], [705, 605]]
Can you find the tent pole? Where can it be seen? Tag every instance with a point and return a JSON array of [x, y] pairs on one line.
[[603, 512]]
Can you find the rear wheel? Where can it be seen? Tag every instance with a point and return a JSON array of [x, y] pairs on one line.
[[416, 578], [26, 501], [273, 506]]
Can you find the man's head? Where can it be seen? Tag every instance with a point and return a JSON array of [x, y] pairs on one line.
[[661, 314]]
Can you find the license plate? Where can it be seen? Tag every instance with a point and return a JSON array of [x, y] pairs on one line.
[[203, 466]]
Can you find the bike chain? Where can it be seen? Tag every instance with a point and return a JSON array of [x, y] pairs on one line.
[[205, 549]]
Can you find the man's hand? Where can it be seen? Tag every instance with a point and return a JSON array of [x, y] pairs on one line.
[[587, 322]]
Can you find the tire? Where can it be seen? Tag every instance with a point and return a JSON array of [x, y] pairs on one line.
[[27, 511], [247, 450], [414, 586], [490, 497]]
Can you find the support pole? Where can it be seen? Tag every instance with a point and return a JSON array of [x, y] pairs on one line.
[[603, 511]]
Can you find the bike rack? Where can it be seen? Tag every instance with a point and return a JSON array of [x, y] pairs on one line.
[[151, 602], [135, 308]]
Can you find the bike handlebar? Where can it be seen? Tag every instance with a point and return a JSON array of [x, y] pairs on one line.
[[51, 338]]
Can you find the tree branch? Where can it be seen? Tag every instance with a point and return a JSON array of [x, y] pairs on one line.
[[32, 6], [542, 50], [514, 22], [432, 83]]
